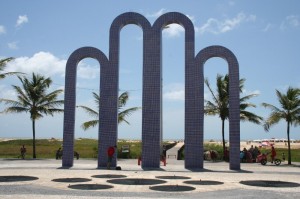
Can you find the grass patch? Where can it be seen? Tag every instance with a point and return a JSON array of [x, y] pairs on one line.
[[295, 153], [87, 148], [46, 148]]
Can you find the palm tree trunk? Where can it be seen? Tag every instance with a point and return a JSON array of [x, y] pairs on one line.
[[289, 144], [33, 140], [223, 138]]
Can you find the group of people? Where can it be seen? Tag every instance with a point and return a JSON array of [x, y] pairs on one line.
[[251, 154]]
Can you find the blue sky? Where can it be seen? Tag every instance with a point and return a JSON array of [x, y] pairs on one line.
[[41, 35]]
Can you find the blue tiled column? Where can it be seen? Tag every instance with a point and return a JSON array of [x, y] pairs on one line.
[[234, 96]]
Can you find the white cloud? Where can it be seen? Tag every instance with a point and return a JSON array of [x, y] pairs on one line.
[[13, 45], [157, 14], [47, 64], [87, 72], [42, 62], [174, 95], [293, 20], [173, 30], [174, 92], [216, 26], [21, 20], [290, 21], [2, 30]]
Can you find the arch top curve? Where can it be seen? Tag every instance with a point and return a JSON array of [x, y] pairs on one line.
[[174, 17], [216, 51], [86, 52], [129, 18]]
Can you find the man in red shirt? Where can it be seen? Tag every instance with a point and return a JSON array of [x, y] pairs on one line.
[[273, 153], [110, 155]]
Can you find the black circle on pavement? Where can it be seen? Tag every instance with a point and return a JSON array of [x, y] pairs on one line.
[[17, 178], [172, 188], [109, 176], [203, 182], [136, 181], [90, 186], [71, 180], [173, 177], [269, 183]]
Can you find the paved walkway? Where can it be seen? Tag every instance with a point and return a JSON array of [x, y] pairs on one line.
[[173, 152], [46, 170]]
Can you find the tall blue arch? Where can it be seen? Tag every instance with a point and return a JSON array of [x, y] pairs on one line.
[[192, 157], [234, 96], [152, 93], [70, 96], [108, 127]]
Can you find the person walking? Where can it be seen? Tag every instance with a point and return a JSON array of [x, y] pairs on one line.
[[110, 155], [23, 151]]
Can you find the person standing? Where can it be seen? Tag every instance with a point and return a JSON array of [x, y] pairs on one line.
[[23, 151], [110, 155], [226, 154], [58, 153], [273, 153]]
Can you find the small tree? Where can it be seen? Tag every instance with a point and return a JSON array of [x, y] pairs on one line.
[[33, 98], [122, 114], [289, 111], [220, 104]]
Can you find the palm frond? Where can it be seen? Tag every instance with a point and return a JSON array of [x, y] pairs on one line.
[[122, 115], [211, 91], [272, 107], [250, 117], [15, 109], [247, 97], [211, 109], [89, 111], [243, 106], [242, 83], [274, 118], [3, 62], [89, 124], [123, 98], [11, 102], [97, 98]]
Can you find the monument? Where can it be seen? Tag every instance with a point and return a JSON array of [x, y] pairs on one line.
[[152, 93]]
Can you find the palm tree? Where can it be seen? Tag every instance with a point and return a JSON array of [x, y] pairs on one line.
[[33, 98], [122, 100], [220, 104], [3, 63], [289, 111]]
